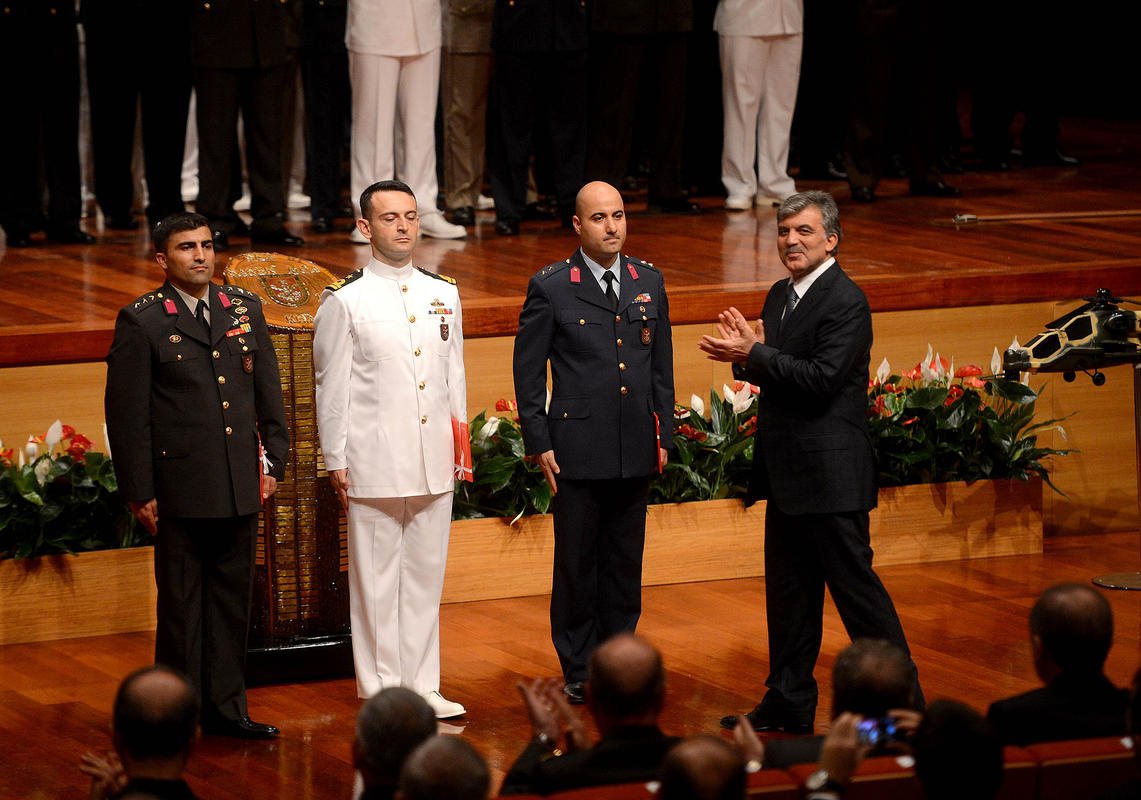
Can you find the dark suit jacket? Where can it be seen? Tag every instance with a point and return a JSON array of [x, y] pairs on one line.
[[610, 377], [812, 453], [1069, 707], [241, 34], [642, 16], [539, 26], [184, 414], [623, 755]]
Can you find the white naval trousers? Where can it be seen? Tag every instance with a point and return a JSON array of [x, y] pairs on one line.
[[759, 76], [398, 548], [394, 123]]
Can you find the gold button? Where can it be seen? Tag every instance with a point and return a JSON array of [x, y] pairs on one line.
[[404, 288], [642, 309], [159, 295], [225, 404], [53, 12], [582, 322], [241, 340], [619, 342], [623, 390], [618, 318], [421, 384], [164, 452], [643, 317], [416, 352], [178, 357], [216, 354], [423, 420], [206, 6], [244, 349], [229, 430], [622, 365], [564, 415], [221, 379]]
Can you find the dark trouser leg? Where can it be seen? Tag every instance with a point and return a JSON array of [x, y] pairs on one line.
[[113, 88], [510, 131], [326, 82], [794, 599], [665, 174], [178, 578], [616, 63], [621, 542], [261, 95], [61, 132], [574, 598], [226, 587], [566, 114], [216, 93], [165, 107]]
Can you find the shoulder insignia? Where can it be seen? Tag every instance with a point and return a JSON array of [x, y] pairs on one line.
[[640, 262], [552, 269], [438, 276], [345, 281], [149, 299], [231, 289]]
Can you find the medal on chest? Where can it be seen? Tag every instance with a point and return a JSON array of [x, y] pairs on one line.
[[444, 330]]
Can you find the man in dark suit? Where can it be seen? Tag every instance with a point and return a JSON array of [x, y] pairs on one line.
[[241, 60], [1071, 630], [602, 321], [625, 696], [190, 395], [812, 457]]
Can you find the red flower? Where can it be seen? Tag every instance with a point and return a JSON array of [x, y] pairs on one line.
[[68, 431], [968, 371], [689, 432], [909, 421], [738, 386], [915, 374], [748, 426], [974, 382], [80, 444], [891, 387], [953, 393], [7, 455], [942, 361], [505, 405]]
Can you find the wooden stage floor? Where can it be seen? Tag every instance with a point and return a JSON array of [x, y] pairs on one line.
[[57, 303], [966, 622]]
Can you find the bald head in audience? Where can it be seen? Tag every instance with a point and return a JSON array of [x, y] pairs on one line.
[[444, 768], [703, 768], [390, 725], [153, 722], [1071, 630], [627, 683]]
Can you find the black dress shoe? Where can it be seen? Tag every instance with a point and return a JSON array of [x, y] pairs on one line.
[[764, 720], [241, 728], [464, 215], [70, 234], [507, 227], [18, 237], [121, 222], [995, 164], [677, 205], [1050, 158], [238, 227], [221, 240], [829, 170], [321, 224], [935, 188], [537, 211], [950, 163], [863, 194], [576, 693], [276, 236]]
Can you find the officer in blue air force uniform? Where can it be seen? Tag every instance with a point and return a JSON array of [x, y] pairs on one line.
[[601, 319], [189, 395]]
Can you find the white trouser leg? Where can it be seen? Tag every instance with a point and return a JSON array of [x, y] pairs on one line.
[[780, 62], [740, 99], [397, 553], [419, 86], [374, 79]]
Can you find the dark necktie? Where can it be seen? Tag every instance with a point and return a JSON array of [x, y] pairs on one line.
[[611, 295], [200, 315], [789, 304]]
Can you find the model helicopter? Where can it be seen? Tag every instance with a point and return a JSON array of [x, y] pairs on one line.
[[1096, 335]]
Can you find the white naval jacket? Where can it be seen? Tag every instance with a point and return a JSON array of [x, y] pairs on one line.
[[394, 28], [388, 358]]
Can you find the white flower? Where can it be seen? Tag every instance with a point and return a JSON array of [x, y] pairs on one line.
[[1014, 345], [930, 354], [995, 362], [54, 435], [21, 461], [938, 366], [1062, 431], [31, 449], [884, 372], [41, 470], [743, 400], [106, 440], [490, 427], [926, 372], [697, 404]]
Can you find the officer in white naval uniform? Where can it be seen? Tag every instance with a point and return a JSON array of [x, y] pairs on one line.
[[394, 64], [392, 411]]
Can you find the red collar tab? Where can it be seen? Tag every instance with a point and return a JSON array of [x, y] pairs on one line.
[[225, 300], [633, 272], [576, 275], [169, 305]]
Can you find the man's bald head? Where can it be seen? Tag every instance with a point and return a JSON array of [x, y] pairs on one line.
[[155, 714], [600, 222], [1073, 626], [594, 194], [703, 768], [626, 678]]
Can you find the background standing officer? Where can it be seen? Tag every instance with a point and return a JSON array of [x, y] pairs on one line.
[[192, 386], [812, 457], [388, 357], [602, 320]]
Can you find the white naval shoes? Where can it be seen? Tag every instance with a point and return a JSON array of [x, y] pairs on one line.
[[443, 709], [485, 203], [766, 201], [356, 237], [437, 227], [738, 203]]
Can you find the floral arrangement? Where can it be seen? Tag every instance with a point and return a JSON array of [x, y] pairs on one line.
[[57, 495], [936, 423]]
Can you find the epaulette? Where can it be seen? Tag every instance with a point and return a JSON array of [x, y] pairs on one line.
[[639, 262], [150, 298], [438, 276], [230, 288], [552, 269], [345, 281]]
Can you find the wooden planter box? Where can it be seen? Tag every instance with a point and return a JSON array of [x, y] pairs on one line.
[[112, 591]]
